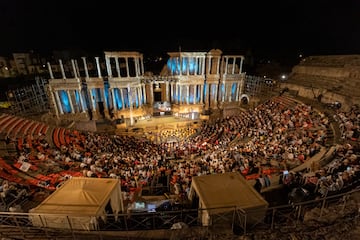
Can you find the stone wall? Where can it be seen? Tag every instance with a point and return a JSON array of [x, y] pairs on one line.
[[331, 61], [87, 126], [336, 72], [327, 78]]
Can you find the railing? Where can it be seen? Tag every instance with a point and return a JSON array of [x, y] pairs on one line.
[[23, 225], [292, 215]]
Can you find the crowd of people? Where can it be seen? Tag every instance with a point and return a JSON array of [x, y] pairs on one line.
[[342, 171], [271, 136]]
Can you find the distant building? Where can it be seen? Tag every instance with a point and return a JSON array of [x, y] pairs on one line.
[[22, 61], [29, 63], [4, 68]]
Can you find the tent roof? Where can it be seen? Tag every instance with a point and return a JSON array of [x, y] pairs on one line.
[[227, 190], [80, 195]]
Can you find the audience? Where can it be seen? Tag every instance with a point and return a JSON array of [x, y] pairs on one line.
[[268, 137]]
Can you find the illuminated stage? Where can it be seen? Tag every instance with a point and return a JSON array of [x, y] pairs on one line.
[[152, 128]]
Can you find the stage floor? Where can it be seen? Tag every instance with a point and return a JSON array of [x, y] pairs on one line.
[[156, 121], [156, 124]]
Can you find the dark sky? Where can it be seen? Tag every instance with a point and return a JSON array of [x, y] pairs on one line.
[[279, 29]]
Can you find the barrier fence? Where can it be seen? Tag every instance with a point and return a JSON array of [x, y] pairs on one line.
[[125, 226]]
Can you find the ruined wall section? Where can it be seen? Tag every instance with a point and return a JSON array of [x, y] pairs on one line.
[[329, 78]]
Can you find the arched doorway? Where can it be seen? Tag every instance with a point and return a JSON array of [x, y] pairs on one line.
[[244, 99]]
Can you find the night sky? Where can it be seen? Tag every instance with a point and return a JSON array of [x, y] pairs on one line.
[[278, 29]]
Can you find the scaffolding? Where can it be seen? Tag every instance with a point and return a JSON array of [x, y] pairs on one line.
[[258, 86], [29, 100]]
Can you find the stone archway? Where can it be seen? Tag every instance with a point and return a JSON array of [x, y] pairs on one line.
[[244, 99]]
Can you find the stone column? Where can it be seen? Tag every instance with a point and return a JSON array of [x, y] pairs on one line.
[[222, 92], [58, 101], [216, 93], [137, 67], [139, 91], [237, 92], [106, 109], [122, 97], [70, 101], [240, 90], [201, 93], [212, 93], [187, 65], [117, 67], [98, 67], [74, 68], [202, 61], [114, 100], [56, 106], [62, 69], [85, 67], [241, 86], [230, 92], [181, 94], [151, 93], [144, 93], [142, 66], [241, 63], [207, 94], [219, 92], [92, 98], [135, 90], [167, 91], [218, 66], [226, 91], [131, 105], [108, 67], [50, 70], [127, 67], [173, 94], [180, 97], [187, 94], [208, 69], [180, 68], [226, 65], [233, 67], [81, 100], [198, 66], [141, 97], [195, 93], [77, 68]]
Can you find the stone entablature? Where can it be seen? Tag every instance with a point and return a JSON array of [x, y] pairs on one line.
[[71, 84]]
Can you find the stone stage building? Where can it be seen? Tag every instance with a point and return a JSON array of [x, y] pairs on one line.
[[117, 86]]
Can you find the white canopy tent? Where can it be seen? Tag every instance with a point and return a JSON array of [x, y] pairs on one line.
[[78, 204], [221, 193]]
